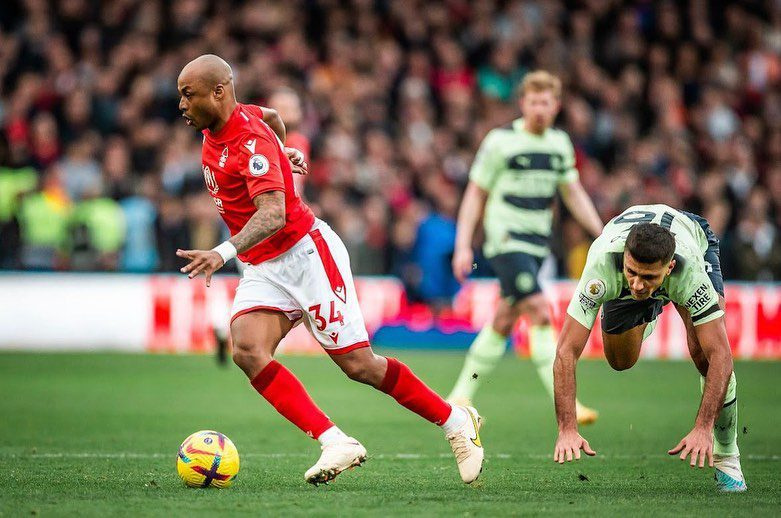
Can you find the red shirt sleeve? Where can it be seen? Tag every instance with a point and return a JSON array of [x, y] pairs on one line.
[[259, 164]]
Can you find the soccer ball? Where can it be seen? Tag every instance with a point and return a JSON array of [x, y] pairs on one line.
[[207, 459]]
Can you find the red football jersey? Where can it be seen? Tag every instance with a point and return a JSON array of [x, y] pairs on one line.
[[242, 160]]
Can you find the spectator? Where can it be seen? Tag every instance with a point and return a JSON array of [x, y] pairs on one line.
[[432, 252], [758, 242], [96, 232], [43, 219], [140, 213], [80, 171], [14, 184], [674, 102]]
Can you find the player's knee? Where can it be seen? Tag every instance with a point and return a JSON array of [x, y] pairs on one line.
[[504, 327], [538, 312], [621, 364], [504, 321], [249, 357]]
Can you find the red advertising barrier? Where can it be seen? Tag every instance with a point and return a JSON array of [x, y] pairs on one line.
[[185, 313]]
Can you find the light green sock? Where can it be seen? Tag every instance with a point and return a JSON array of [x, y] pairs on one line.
[[484, 353], [725, 431], [542, 345]]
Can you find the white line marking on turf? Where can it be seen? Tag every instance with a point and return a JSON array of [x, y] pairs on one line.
[[391, 456]]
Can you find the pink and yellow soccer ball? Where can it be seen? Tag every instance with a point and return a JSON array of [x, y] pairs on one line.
[[208, 459]]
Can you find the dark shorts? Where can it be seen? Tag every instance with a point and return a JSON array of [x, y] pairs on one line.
[[517, 273], [619, 316]]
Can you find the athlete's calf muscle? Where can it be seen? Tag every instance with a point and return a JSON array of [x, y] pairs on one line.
[[362, 365]]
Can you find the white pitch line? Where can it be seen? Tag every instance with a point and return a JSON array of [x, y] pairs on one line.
[[391, 456]]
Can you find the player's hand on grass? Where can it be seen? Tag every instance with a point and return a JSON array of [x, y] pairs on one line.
[[296, 158], [201, 261], [568, 446], [698, 443], [463, 260]]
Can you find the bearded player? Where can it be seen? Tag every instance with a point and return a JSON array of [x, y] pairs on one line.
[[297, 268], [646, 257], [514, 180]]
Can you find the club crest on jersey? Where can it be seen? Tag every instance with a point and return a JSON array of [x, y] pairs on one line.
[[595, 289], [211, 182], [258, 165], [224, 157]]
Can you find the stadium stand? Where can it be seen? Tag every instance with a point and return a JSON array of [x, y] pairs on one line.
[[671, 102]]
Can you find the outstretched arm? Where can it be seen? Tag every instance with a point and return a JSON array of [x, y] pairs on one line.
[[572, 341], [712, 337], [469, 214], [582, 208], [267, 221]]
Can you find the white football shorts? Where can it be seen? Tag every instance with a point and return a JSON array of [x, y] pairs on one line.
[[311, 280]]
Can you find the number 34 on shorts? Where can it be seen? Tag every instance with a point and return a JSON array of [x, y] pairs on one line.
[[312, 280], [321, 323]]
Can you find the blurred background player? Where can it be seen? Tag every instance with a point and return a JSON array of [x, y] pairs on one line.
[[513, 182], [285, 104], [296, 267], [648, 256]]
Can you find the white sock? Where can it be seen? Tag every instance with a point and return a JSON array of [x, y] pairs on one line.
[[456, 420], [331, 436]]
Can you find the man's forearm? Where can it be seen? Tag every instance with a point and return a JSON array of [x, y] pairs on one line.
[[564, 389], [469, 214], [582, 208], [572, 341], [267, 221]]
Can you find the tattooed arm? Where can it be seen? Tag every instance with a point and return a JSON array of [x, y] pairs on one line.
[[267, 221]]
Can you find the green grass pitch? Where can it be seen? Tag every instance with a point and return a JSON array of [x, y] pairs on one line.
[[97, 434]]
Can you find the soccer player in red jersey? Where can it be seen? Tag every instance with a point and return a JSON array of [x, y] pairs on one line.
[[286, 107], [296, 267]]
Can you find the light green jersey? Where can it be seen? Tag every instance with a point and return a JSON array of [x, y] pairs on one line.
[[521, 172], [688, 285]]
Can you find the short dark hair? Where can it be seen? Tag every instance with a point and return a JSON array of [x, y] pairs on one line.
[[649, 243]]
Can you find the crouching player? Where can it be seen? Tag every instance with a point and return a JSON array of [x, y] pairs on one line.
[[296, 268], [646, 257]]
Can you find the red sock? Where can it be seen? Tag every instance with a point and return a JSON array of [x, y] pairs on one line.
[[285, 393], [402, 385]]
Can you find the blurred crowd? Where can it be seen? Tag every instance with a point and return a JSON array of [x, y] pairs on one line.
[[670, 102]]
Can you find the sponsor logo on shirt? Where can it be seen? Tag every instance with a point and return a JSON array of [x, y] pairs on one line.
[[258, 165], [699, 299], [586, 303], [595, 289]]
